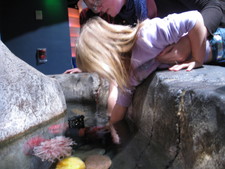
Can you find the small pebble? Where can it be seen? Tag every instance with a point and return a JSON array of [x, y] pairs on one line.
[[98, 162]]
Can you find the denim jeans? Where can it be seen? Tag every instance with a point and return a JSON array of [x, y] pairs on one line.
[[218, 45]]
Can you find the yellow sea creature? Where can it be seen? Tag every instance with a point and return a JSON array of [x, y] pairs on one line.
[[71, 163]]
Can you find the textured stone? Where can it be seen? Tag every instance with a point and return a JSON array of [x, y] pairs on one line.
[[98, 162], [81, 87], [27, 97], [182, 116], [88, 89]]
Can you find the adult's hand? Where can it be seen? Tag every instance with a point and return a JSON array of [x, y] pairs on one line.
[[74, 70], [176, 53]]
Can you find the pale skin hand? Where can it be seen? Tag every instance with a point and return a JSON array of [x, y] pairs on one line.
[[190, 65], [74, 70]]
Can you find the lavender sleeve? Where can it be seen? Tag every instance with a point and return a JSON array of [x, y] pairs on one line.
[[153, 37]]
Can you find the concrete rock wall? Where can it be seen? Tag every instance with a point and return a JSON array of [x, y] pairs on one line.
[[27, 97], [180, 118], [87, 89]]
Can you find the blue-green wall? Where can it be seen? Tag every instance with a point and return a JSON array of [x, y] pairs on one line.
[[23, 34]]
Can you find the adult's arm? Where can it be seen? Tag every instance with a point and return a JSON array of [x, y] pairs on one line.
[[152, 8], [211, 10]]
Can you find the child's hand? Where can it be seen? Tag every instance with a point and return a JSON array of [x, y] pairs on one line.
[[115, 136], [74, 70], [189, 65]]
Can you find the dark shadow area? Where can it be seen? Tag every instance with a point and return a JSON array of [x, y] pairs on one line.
[[29, 25], [18, 17]]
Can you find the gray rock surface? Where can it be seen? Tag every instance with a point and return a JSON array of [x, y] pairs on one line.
[[82, 87], [87, 89], [27, 97], [180, 117]]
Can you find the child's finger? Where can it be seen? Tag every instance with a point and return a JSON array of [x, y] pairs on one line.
[[178, 67], [173, 68], [191, 66]]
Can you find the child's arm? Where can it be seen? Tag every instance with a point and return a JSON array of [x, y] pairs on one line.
[[198, 46], [117, 115]]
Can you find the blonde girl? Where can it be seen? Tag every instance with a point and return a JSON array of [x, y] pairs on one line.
[[127, 55]]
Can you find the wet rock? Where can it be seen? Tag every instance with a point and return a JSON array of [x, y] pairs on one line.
[[88, 89], [98, 162], [82, 87], [85, 151]]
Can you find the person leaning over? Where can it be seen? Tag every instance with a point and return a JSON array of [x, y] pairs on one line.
[[128, 12], [127, 55]]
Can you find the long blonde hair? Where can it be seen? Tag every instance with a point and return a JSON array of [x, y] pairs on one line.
[[106, 49]]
